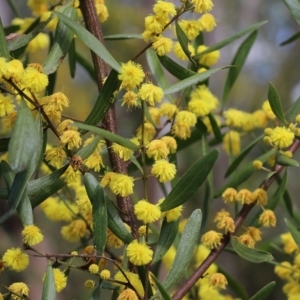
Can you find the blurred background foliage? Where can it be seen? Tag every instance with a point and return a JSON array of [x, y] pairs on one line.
[[267, 61]]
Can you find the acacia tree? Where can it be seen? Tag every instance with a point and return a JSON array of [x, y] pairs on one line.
[[99, 200]]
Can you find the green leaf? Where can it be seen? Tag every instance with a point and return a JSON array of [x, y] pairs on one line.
[[49, 291], [86, 65], [92, 42], [3, 44], [287, 161], [23, 141], [4, 144], [20, 40], [161, 288], [185, 250], [230, 39], [183, 41], [215, 127], [96, 294], [294, 232], [293, 111], [137, 164], [242, 175], [241, 156], [264, 293], [287, 199], [115, 223], [104, 99], [108, 135], [238, 62], [72, 58], [167, 236], [291, 39], [294, 8], [174, 68], [275, 103], [62, 42], [96, 195], [253, 255], [157, 70], [190, 182], [191, 81], [125, 36]]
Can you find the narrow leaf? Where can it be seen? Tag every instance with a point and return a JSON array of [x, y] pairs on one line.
[[3, 44], [293, 111], [104, 99], [183, 41], [191, 81], [96, 294], [167, 236], [253, 255], [23, 141], [62, 42], [294, 8], [91, 41], [72, 58], [174, 68], [291, 39], [86, 65], [265, 292], [230, 39], [185, 250], [241, 156], [4, 144], [287, 161], [238, 62], [275, 103], [190, 182], [108, 135], [115, 223], [287, 199], [215, 127], [161, 288], [49, 291], [294, 232], [124, 36], [99, 211]]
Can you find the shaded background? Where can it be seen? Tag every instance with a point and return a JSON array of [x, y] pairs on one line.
[[267, 61]]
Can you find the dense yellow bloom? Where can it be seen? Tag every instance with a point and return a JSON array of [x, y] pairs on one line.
[[169, 110], [254, 232], [133, 279], [108, 176], [6, 105], [71, 138], [244, 196], [211, 239], [267, 109], [289, 245], [240, 119], [207, 22], [163, 170], [59, 100], [218, 281], [170, 142], [284, 270], [32, 235], [101, 10], [191, 28], [3, 67], [131, 75], [164, 9], [128, 294], [226, 223], [172, 214], [157, 149], [93, 268], [260, 196], [139, 254], [229, 195], [15, 259], [105, 274], [221, 215], [154, 113], [183, 122], [179, 53], [112, 241], [202, 6], [146, 211], [151, 93], [210, 58], [154, 24], [186, 117], [74, 231], [149, 132], [55, 156], [131, 99], [60, 279], [246, 240], [291, 288], [162, 45], [34, 80], [65, 125], [281, 137], [40, 42], [267, 218], [144, 230], [37, 6], [260, 118], [232, 142], [89, 284], [19, 288], [202, 101], [122, 185], [257, 164], [15, 70], [94, 161]]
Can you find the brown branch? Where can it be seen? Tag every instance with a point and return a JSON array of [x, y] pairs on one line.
[[199, 272], [109, 121]]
